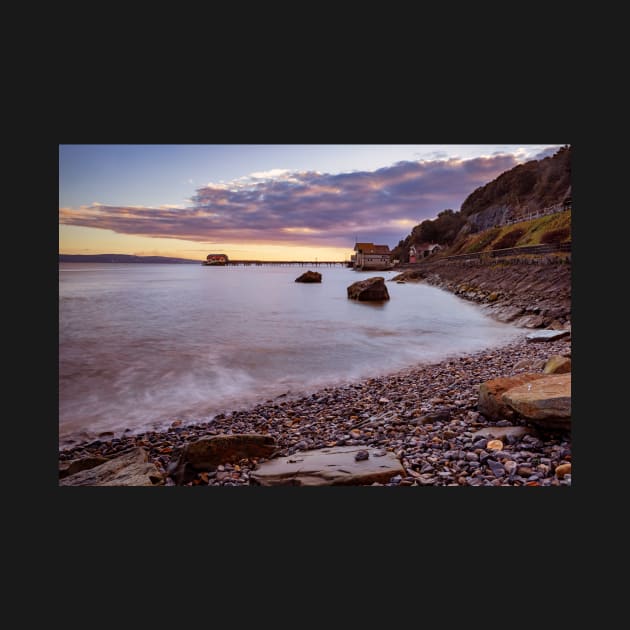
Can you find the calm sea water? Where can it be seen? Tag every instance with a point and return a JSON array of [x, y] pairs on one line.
[[141, 345]]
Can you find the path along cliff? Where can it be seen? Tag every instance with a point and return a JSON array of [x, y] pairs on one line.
[[528, 291]]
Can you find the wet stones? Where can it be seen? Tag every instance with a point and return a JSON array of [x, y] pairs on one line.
[[450, 439]]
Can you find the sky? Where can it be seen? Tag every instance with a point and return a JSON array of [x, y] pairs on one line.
[[264, 202]]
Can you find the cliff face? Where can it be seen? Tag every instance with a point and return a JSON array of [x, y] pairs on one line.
[[524, 189], [497, 215], [514, 195]]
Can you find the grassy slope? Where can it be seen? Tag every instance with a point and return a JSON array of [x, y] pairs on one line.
[[533, 232]]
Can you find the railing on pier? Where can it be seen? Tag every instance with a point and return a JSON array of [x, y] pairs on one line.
[[287, 263]]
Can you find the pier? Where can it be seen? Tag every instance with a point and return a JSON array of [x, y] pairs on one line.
[[286, 263]]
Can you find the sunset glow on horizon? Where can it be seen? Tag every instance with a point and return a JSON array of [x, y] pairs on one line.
[[264, 202]]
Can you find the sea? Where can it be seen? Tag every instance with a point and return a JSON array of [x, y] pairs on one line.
[[143, 345]]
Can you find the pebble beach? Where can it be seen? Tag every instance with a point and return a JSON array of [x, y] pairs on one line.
[[426, 415]]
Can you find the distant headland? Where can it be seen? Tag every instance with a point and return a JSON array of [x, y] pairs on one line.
[[122, 258]]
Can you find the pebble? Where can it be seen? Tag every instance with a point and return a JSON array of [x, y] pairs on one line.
[[510, 466], [496, 468], [562, 470], [495, 445]]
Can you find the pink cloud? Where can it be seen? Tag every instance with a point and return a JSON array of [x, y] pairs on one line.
[[306, 207]]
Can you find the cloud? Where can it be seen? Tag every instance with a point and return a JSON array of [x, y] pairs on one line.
[[306, 207], [548, 152]]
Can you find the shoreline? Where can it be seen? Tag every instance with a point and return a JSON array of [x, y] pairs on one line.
[[439, 452], [80, 439], [77, 437]]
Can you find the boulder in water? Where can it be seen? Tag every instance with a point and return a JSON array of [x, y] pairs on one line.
[[310, 276], [372, 289]]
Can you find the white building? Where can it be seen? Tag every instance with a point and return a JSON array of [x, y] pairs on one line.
[[370, 256]]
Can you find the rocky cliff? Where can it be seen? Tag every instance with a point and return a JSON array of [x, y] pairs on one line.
[[524, 189], [531, 189]]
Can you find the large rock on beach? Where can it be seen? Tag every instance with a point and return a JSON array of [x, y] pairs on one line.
[[310, 276], [74, 466], [371, 289], [333, 466], [545, 402], [130, 469], [491, 403], [207, 453], [557, 364]]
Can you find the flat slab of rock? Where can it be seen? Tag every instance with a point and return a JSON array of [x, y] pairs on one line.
[[371, 289], [547, 335], [545, 402], [207, 453], [333, 466], [130, 469], [77, 465], [501, 433], [491, 403], [310, 276]]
